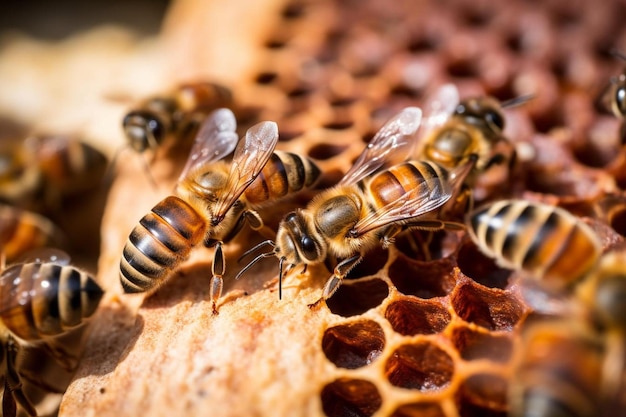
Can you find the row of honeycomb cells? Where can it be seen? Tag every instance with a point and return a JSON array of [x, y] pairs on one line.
[[432, 333]]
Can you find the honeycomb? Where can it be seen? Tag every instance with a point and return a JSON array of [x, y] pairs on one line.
[[411, 332]]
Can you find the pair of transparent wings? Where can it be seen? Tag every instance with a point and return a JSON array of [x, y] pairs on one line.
[[217, 138], [400, 135]]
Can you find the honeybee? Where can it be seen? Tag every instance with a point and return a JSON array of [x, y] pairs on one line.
[[22, 231], [212, 201], [455, 130], [575, 365], [38, 172], [44, 303], [546, 242], [148, 125], [365, 209]]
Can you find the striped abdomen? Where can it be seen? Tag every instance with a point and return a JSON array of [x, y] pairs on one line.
[[394, 183], [39, 300], [545, 241], [283, 174], [159, 243]]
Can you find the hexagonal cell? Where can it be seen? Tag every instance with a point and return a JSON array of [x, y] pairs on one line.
[[483, 395], [575, 182], [323, 151], [353, 345], [482, 269], [491, 308], [422, 279], [410, 316], [355, 298], [422, 365], [425, 409], [473, 344], [350, 397]]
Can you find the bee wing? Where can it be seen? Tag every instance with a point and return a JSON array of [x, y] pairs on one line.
[[429, 195], [250, 157], [440, 106], [394, 134], [44, 255], [216, 138]]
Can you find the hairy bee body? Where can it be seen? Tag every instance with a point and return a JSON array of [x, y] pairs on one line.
[[179, 112], [22, 231], [44, 306], [39, 300], [41, 170], [547, 242], [164, 238]]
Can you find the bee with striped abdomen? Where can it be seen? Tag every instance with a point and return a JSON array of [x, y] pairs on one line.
[[43, 301], [366, 208], [213, 199]]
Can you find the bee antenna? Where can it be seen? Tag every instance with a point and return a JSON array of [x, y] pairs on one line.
[[516, 101], [269, 242], [108, 175], [252, 262]]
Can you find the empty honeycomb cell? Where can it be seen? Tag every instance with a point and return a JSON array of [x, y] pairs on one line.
[[323, 151], [353, 345], [491, 308], [350, 397], [425, 409], [573, 183], [483, 395], [482, 269], [266, 77], [410, 316], [425, 246], [355, 298], [422, 366], [422, 279], [474, 344], [372, 263]]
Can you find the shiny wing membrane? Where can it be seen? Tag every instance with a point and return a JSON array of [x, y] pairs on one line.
[[394, 134], [428, 196], [216, 138], [250, 157]]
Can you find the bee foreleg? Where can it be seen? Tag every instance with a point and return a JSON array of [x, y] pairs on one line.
[[217, 282], [256, 223], [334, 282]]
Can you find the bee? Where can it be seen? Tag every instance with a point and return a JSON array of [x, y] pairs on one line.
[[571, 364], [546, 242], [148, 125], [212, 201], [366, 208], [38, 172], [574, 365], [22, 231], [455, 130], [42, 301]]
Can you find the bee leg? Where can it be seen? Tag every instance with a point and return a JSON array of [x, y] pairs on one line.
[[217, 282], [256, 223], [334, 282], [13, 393]]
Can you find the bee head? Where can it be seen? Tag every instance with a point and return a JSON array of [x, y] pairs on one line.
[[144, 129]]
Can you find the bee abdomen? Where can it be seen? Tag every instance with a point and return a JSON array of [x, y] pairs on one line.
[[284, 173], [45, 299], [394, 183], [159, 243], [545, 241]]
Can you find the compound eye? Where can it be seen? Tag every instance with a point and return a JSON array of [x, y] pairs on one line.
[[143, 129], [309, 249], [494, 118]]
